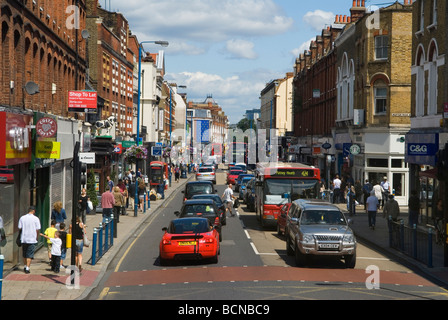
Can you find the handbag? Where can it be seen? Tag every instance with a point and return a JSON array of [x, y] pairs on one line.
[[86, 240], [2, 237], [19, 239], [236, 204]]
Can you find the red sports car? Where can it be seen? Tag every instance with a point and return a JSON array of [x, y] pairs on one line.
[[233, 175], [189, 239]]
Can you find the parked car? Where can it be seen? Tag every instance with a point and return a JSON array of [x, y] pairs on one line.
[[206, 174], [250, 195], [240, 178], [203, 208], [233, 175], [189, 238], [198, 187], [281, 221], [318, 228], [218, 201]]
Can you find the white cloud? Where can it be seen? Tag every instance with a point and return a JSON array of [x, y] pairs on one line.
[[241, 49], [303, 47], [318, 19]]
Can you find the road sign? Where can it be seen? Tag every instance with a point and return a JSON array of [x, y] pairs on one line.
[[87, 157], [156, 151]]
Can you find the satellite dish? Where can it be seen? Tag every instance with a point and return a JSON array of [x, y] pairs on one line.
[[85, 34], [31, 88]]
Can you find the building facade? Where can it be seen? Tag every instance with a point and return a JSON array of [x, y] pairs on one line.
[[374, 96], [429, 127]]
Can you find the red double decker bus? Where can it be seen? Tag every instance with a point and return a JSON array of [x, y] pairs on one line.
[[279, 183]]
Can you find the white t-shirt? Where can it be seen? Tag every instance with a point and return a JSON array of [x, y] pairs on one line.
[[228, 193], [337, 183], [56, 247], [29, 224]]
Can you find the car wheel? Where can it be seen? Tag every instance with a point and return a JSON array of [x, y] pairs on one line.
[[279, 232], [350, 261], [300, 258], [163, 262], [289, 250], [215, 258]]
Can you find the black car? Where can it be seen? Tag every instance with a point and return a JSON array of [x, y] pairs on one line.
[[218, 201], [203, 208], [198, 187]]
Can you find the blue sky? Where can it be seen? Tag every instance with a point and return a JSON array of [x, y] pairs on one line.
[[229, 48]]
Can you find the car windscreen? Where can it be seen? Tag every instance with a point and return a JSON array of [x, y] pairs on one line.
[[235, 172], [199, 188], [195, 210], [310, 217], [214, 197], [189, 226], [205, 170], [274, 190]]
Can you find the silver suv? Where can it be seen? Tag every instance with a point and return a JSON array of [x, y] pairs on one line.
[[206, 173], [318, 228]]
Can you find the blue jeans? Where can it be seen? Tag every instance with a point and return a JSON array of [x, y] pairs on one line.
[[372, 218]]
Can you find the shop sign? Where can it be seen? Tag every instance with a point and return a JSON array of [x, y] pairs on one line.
[[15, 144], [48, 150], [422, 149], [82, 101], [47, 127]]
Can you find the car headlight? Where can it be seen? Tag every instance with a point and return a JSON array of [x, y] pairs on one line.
[[348, 238], [308, 238]]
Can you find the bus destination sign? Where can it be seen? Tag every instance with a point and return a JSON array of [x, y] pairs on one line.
[[292, 173]]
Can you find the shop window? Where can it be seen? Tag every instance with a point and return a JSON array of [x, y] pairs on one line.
[[378, 163], [399, 184], [397, 163]]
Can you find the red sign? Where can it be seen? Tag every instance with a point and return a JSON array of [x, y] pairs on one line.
[[15, 138], [82, 101], [46, 127]]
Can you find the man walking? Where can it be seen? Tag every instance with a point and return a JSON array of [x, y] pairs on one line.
[[372, 208], [391, 209], [107, 203], [386, 191], [29, 226], [337, 189], [228, 199]]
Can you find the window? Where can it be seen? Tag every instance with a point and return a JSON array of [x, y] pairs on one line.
[[422, 15], [434, 13], [381, 47], [380, 91]]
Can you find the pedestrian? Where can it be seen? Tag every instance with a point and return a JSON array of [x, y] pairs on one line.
[[83, 205], [386, 191], [49, 232], [358, 191], [176, 173], [351, 201], [77, 232], [391, 209], [3, 240], [107, 203], [141, 193], [58, 214], [63, 236], [29, 227], [228, 198], [56, 244], [372, 209], [414, 208], [337, 189], [132, 193], [366, 189], [110, 184], [378, 191], [118, 203]]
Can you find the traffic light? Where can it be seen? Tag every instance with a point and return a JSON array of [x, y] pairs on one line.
[[83, 174]]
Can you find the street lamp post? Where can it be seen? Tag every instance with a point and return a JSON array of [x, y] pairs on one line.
[[140, 52]]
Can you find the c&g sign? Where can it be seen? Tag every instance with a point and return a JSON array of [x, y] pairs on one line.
[[422, 149]]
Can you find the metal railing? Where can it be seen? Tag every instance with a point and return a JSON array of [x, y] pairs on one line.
[[103, 239], [412, 241], [2, 259]]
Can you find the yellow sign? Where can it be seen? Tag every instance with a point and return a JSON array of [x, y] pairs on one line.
[[48, 150]]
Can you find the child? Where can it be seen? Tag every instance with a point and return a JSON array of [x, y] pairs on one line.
[[50, 234], [63, 235], [55, 250]]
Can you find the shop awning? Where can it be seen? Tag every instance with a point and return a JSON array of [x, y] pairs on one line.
[[432, 173]]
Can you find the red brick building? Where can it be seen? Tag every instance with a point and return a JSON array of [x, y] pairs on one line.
[[38, 43], [315, 94], [111, 65]]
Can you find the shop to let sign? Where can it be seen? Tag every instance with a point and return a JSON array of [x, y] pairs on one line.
[[48, 150], [82, 101]]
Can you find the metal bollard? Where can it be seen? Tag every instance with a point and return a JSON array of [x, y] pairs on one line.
[[149, 202], [402, 235], [144, 203], [100, 242], [106, 235], [389, 224], [2, 260], [414, 238], [94, 241], [112, 226]]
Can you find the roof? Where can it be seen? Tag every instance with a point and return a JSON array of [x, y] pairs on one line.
[[316, 204], [199, 201], [199, 182]]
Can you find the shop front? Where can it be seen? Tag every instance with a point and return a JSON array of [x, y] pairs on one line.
[[15, 158]]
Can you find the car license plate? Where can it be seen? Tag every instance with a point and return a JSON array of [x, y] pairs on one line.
[[187, 243], [328, 246]]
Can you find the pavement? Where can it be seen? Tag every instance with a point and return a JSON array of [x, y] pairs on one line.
[[43, 284]]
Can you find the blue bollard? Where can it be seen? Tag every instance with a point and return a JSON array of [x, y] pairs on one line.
[[144, 203], [414, 233], [94, 240], [100, 242], [402, 236], [106, 235], [112, 235], [2, 259]]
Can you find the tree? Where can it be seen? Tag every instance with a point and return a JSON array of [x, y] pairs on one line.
[[245, 124]]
